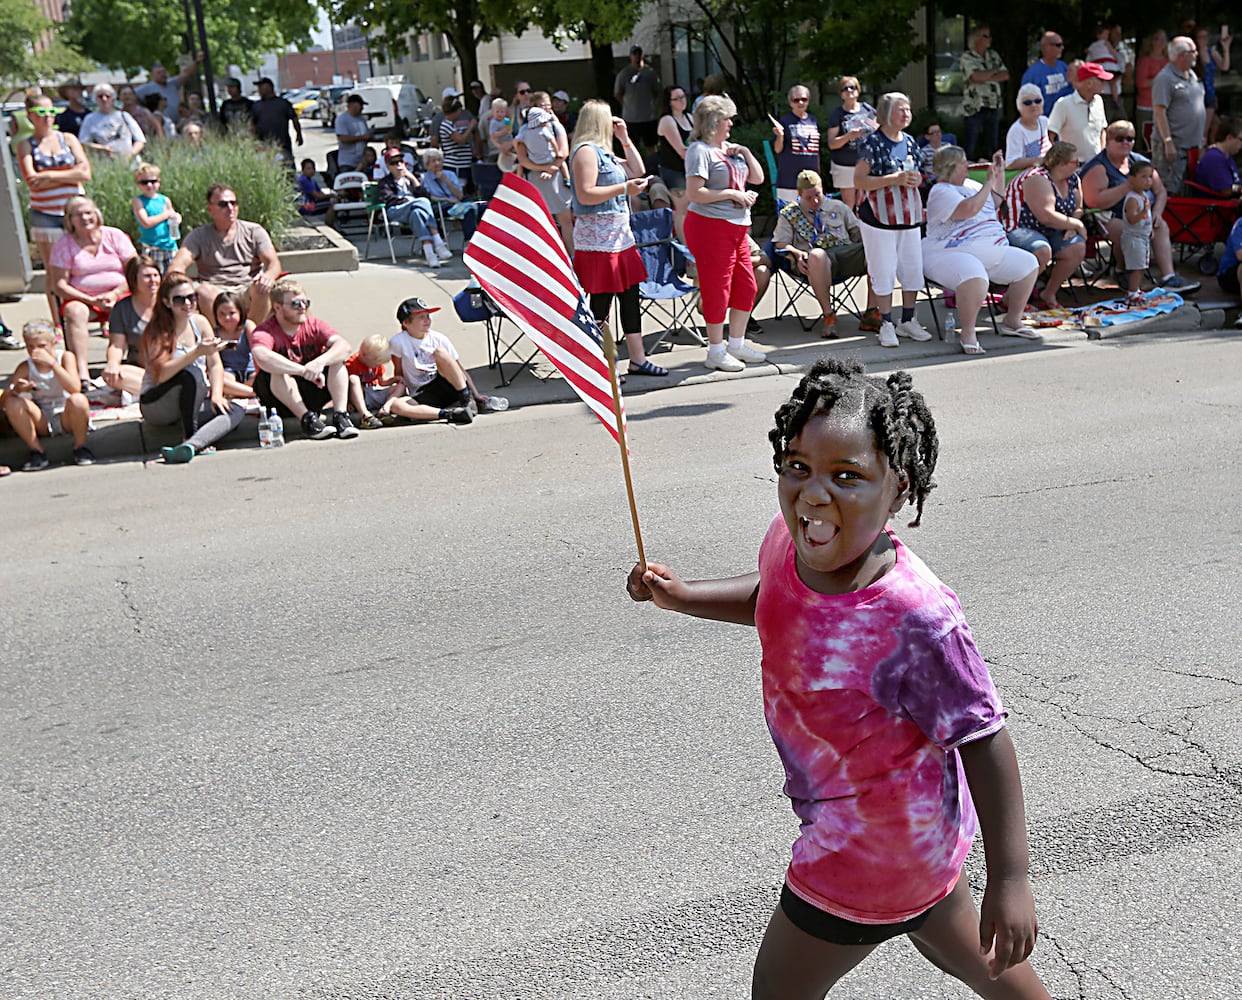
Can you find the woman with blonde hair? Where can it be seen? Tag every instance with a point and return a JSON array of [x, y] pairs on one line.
[[848, 125], [605, 257], [717, 226]]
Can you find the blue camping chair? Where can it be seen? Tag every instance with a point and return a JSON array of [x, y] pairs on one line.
[[665, 292]]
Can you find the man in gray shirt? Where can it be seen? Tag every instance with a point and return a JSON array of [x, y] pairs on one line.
[[1178, 112], [352, 134], [638, 89], [160, 83]]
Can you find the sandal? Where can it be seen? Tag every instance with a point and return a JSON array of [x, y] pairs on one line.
[[975, 348], [647, 368]]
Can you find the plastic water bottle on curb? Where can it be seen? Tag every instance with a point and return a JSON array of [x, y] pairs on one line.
[[265, 429], [497, 403], [276, 425], [950, 328]]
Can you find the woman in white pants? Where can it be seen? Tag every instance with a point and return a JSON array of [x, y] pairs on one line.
[[966, 247]]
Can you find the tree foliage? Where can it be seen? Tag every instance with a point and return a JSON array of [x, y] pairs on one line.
[[132, 34], [21, 26]]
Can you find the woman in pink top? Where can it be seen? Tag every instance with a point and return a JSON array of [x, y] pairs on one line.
[[1153, 57], [86, 270], [882, 710]]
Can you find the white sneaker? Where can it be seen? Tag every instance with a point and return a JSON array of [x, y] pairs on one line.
[[913, 329], [724, 362], [443, 251], [747, 353], [888, 335], [429, 255]]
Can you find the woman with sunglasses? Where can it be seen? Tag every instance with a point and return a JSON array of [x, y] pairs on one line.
[[672, 136], [1027, 140], [54, 167], [1044, 218], [86, 271], [183, 381], [848, 125], [109, 131]]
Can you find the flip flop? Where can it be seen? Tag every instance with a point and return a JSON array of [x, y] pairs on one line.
[[975, 348], [1025, 332], [647, 368]]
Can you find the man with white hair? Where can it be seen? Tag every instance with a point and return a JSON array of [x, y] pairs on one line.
[[109, 130], [170, 88], [1178, 112]]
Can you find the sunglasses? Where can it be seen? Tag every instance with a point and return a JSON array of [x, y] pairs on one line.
[[525, 91], [800, 100], [299, 303], [44, 112], [183, 300], [149, 180], [1057, 45], [848, 88], [223, 203], [1037, 100], [1123, 138], [984, 34]]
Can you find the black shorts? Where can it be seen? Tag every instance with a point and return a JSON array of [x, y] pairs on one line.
[[644, 133], [1228, 280], [315, 397], [439, 392], [837, 930]]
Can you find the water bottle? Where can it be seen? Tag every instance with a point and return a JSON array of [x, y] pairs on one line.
[[950, 328], [276, 426], [265, 430], [174, 229], [497, 403]]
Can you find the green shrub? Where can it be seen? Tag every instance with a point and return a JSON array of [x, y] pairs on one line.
[[262, 185]]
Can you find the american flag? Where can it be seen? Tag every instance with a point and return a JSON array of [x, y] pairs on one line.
[[517, 256]]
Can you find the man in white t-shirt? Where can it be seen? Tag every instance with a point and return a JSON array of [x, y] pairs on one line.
[[438, 387], [1080, 118]]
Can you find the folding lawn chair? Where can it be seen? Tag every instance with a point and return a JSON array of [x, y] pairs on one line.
[[1199, 220], [473, 305], [792, 286], [665, 292]]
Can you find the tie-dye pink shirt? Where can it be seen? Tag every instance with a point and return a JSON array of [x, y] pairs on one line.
[[867, 696]]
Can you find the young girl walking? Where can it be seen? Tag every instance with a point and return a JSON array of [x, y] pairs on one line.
[[882, 710]]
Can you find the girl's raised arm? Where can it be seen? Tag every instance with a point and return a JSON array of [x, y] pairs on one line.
[[728, 600]]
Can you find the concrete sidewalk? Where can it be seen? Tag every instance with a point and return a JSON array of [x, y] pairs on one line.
[[363, 302]]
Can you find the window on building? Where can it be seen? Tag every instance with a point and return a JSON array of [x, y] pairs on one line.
[[948, 33], [418, 48], [443, 48]]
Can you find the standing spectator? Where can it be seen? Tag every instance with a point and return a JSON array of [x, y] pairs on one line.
[[1049, 71], [109, 131], [155, 215], [560, 108], [479, 98], [1106, 51], [183, 378], [70, 120], [984, 71], [795, 141], [1080, 118], [717, 229], [637, 89], [1153, 57], [127, 99], [674, 132], [231, 255], [86, 270], [437, 119], [161, 83], [272, 116], [54, 168], [1136, 222], [301, 364], [1211, 58], [193, 110], [606, 260], [520, 105], [407, 203], [891, 217], [352, 134], [1028, 139], [235, 109], [848, 125], [156, 106], [457, 133], [1179, 113], [542, 150]]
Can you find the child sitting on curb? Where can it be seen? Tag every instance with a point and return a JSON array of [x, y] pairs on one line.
[[370, 392], [44, 398]]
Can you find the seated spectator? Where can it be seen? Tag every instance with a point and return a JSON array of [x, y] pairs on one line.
[[406, 202], [444, 185], [301, 364], [183, 379], [1217, 173], [86, 270], [394, 140], [192, 135], [1045, 218], [542, 150], [110, 131], [370, 392], [370, 164], [819, 239], [234, 331], [1229, 270], [123, 366], [930, 143], [1105, 186], [231, 255], [761, 265], [44, 398], [966, 246], [437, 386], [1027, 140], [314, 196], [155, 214]]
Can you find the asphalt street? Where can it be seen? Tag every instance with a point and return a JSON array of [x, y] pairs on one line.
[[376, 719]]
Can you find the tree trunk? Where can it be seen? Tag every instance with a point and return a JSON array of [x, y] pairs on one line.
[[605, 76]]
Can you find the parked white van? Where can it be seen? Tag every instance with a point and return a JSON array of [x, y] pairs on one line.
[[392, 102]]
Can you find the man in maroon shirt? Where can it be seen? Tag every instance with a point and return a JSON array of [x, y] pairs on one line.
[[301, 363]]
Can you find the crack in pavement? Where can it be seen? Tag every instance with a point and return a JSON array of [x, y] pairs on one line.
[[128, 606], [1201, 677]]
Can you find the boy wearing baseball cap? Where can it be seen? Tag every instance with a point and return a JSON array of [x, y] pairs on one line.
[[438, 387]]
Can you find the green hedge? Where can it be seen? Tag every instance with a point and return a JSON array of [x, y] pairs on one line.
[[263, 186]]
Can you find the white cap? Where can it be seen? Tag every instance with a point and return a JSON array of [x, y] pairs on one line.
[[450, 92]]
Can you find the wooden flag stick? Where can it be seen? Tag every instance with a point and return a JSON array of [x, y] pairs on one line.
[[610, 352]]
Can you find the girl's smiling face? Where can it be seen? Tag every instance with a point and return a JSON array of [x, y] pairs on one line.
[[228, 316], [837, 492]]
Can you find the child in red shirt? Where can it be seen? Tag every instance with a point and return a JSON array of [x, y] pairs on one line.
[[370, 391]]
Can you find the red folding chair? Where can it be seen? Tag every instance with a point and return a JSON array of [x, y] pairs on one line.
[[1198, 222]]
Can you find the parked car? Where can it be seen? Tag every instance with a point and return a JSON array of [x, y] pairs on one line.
[[328, 102], [392, 103], [302, 99]]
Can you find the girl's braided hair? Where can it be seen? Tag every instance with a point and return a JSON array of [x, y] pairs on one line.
[[904, 429]]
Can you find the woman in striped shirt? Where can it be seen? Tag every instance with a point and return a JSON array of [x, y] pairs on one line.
[[54, 167]]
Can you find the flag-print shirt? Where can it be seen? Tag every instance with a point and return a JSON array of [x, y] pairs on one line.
[[891, 207], [947, 233], [867, 696]]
